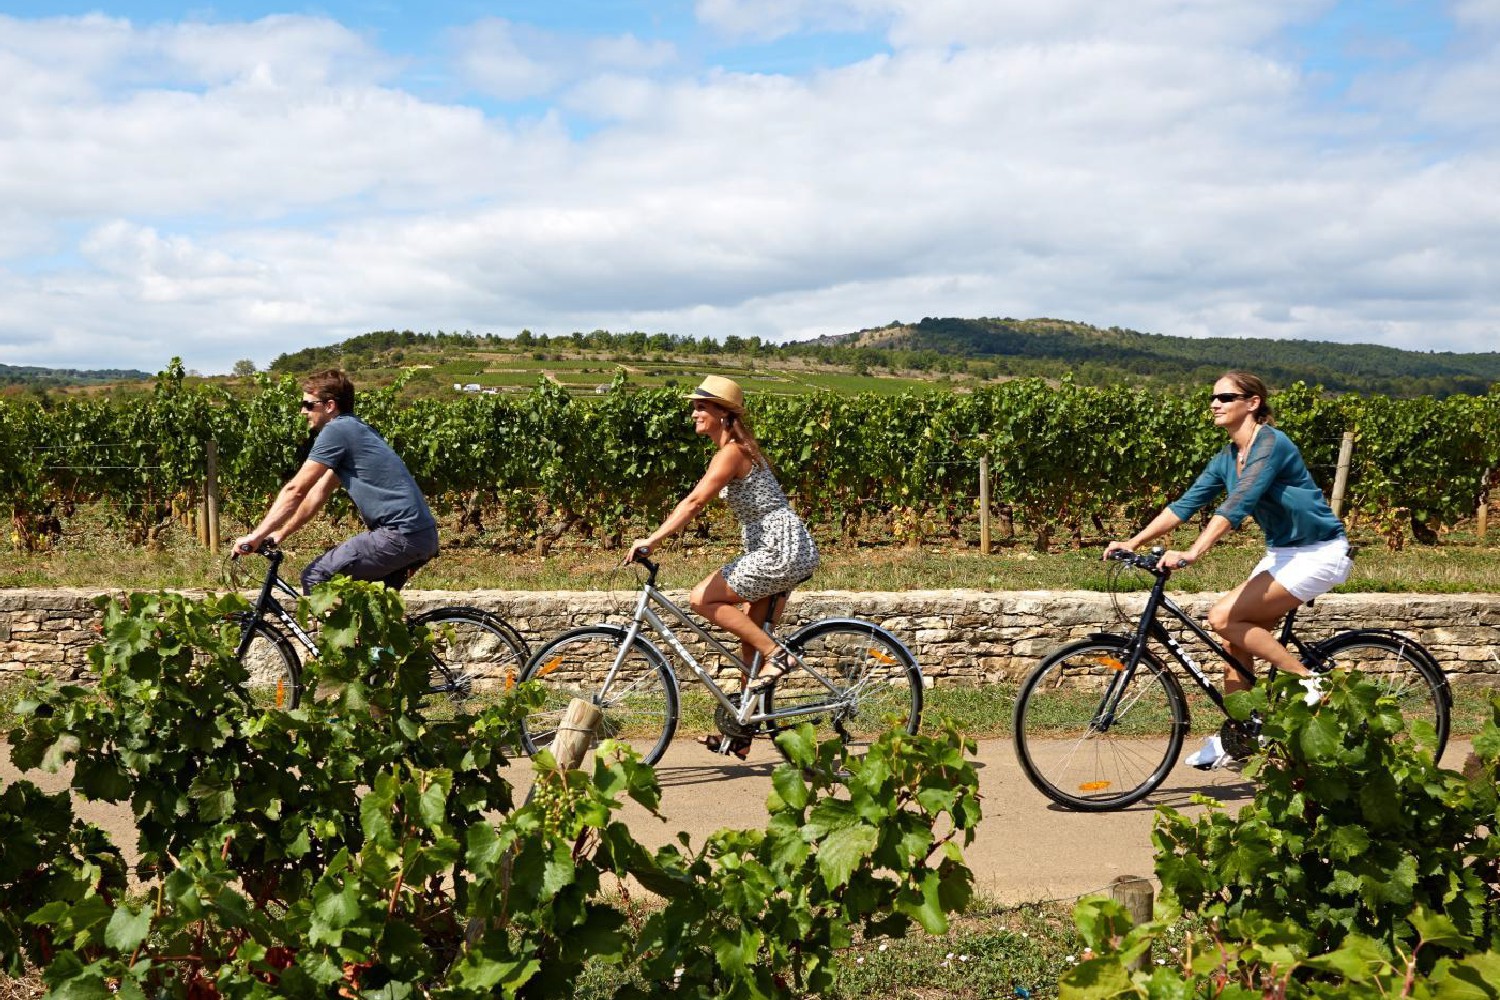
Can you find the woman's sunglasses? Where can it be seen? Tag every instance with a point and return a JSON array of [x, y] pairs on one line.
[[1228, 397]]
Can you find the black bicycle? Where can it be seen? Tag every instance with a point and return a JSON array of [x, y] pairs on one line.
[[1101, 721], [473, 650]]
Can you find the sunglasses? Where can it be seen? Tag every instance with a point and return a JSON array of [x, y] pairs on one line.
[[312, 404], [1229, 397]]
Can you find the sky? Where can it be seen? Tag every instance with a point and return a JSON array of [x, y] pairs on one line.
[[237, 180]]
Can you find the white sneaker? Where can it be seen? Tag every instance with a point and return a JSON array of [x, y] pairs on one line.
[[1314, 695], [1210, 755]]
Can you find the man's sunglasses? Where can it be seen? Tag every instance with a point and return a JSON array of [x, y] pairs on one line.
[[1228, 397], [312, 404]]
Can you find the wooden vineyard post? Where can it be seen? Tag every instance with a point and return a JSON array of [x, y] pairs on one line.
[[1482, 514], [576, 734], [1341, 477], [211, 496], [984, 505], [1138, 897], [574, 738]]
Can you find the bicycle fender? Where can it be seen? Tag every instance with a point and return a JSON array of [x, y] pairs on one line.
[[1107, 637], [795, 638]]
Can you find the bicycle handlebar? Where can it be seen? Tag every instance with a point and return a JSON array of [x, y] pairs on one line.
[[643, 559], [267, 548], [1150, 562]]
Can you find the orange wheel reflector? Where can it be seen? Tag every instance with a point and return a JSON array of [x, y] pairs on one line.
[[550, 666], [1109, 662], [1094, 786], [883, 656], [280, 691], [510, 679]]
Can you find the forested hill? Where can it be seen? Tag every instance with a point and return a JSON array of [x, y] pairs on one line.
[[1046, 346], [49, 377]]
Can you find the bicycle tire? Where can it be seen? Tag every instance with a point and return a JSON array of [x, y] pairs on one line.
[[875, 681], [640, 708], [273, 671], [1060, 746], [1401, 668], [474, 653]]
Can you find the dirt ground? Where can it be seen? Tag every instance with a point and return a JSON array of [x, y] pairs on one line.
[[1027, 849]]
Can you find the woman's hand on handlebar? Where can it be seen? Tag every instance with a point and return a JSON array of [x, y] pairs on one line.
[[1172, 559], [1114, 547], [639, 549]]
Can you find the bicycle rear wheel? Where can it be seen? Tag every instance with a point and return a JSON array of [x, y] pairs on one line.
[[474, 653], [1402, 669], [1090, 744], [271, 663], [639, 707], [858, 673]]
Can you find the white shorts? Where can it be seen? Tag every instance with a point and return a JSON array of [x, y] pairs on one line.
[[1308, 571]]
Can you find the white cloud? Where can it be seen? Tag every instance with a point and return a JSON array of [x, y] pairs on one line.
[[765, 20], [232, 189], [516, 61]]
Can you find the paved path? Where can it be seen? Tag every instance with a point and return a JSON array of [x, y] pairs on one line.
[[1026, 850]]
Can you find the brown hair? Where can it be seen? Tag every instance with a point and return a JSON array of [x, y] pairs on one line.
[[331, 384], [1252, 385], [739, 430]]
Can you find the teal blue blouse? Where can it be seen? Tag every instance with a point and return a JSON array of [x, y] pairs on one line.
[[1275, 489]]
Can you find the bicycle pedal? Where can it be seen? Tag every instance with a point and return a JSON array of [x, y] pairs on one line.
[[726, 745]]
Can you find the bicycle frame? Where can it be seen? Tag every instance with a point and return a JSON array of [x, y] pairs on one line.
[[645, 616], [266, 605], [1150, 627]]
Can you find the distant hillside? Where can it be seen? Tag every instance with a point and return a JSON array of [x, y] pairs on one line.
[[1048, 346], [50, 377], [960, 352]]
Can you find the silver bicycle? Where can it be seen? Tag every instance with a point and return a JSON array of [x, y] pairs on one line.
[[856, 678]]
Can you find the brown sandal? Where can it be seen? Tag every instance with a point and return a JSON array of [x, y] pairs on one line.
[[779, 666], [737, 745]]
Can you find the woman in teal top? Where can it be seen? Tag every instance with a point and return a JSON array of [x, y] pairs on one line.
[[1262, 475]]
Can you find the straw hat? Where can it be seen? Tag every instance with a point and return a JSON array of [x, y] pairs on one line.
[[718, 389]]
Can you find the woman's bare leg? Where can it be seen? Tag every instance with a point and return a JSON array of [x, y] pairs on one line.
[[715, 600], [756, 611], [1245, 619]]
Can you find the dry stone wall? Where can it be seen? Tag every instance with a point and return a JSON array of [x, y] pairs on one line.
[[959, 636]]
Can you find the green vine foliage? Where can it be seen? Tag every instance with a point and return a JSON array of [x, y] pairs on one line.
[[1063, 456], [359, 846], [1359, 870]]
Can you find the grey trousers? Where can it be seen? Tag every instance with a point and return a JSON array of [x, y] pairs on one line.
[[383, 554]]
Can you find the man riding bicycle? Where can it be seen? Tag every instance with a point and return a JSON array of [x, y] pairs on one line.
[[402, 533]]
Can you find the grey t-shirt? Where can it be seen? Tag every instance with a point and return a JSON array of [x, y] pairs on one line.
[[377, 480]]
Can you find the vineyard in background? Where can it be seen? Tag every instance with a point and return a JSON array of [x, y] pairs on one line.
[[1063, 459]]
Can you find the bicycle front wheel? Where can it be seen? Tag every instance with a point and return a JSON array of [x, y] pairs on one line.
[[1090, 740], [271, 664], [1401, 669], [474, 653], [638, 707], [856, 681]]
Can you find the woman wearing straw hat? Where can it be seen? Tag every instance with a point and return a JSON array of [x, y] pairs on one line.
[[779, 552]]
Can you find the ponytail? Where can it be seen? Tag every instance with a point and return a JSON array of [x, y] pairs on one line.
[[740, 433]]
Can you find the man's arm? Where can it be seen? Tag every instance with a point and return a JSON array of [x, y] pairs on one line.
[[298, 501]]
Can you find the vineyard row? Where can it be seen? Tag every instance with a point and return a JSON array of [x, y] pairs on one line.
[[1060, 456]]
